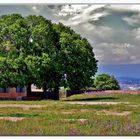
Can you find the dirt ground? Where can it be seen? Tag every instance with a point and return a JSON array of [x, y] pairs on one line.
[[26, 107], [97, 103], [107, 112], [13, 119]]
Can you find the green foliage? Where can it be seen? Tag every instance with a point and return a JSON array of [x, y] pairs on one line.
[[106, 82], [22, 42], [75, 58], [33, 50]]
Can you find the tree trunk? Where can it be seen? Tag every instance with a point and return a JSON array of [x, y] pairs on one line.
[[56, 93], [44, 93], [28, 90]]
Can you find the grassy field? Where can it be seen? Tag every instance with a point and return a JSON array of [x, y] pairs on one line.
[[62, 118]]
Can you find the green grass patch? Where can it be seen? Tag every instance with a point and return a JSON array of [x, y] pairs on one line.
[[19, 115], [60, 118]]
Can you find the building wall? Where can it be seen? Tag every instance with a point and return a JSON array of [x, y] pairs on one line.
[[12, 94]]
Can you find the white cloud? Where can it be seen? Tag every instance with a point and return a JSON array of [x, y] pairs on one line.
[[112, 44], [71, 10], [136, 33], [112, 53], [76, 9], [133, 20], [80, 14], [120, 8], [35, 8]]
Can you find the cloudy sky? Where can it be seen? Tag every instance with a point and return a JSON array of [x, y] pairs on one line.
[[112, 30]]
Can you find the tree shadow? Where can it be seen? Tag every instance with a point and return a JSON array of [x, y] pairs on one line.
[[18, 115], [94, 99]]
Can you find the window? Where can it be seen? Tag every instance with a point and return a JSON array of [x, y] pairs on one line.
[[20, 89], [4, 90]]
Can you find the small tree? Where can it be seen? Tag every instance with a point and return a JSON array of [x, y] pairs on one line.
[[106, 82]]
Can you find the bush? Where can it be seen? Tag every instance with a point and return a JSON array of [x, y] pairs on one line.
[[106, 82]]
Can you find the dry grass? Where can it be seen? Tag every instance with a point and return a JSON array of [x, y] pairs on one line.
[[13, 119], [106, 112], [97, 103]]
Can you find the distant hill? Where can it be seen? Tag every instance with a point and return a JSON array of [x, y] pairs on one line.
[[129, 83]]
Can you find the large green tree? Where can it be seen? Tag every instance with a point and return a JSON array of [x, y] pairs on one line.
[[22, 39], [35, 51], [106, 82], [12, 39]]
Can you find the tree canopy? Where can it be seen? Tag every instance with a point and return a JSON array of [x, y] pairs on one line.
[[106, 82], [33, 50]]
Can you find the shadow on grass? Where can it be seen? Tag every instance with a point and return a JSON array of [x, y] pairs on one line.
[[19, 115], [93, 99]]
